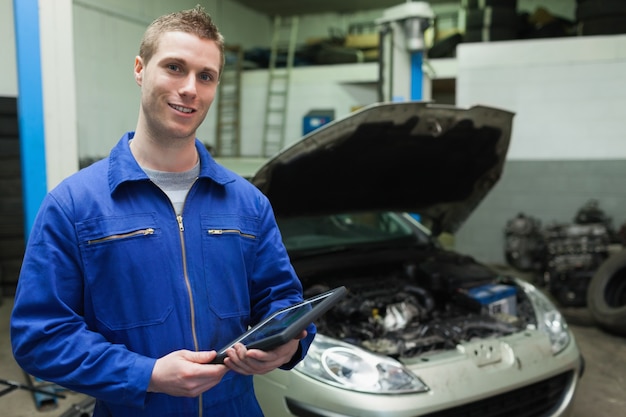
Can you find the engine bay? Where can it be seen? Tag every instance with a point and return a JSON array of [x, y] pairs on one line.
[[423, 308]]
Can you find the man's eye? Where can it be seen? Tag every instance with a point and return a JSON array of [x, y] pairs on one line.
[[205, 77], [173, 67]]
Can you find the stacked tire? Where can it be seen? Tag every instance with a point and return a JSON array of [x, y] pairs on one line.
[[601, 17], [606, 295], [490, 20], [11, 204]]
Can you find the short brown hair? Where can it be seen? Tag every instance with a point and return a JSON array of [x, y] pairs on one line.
[[195, 21]]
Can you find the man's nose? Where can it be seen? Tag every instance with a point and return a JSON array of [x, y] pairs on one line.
[[188, 86]]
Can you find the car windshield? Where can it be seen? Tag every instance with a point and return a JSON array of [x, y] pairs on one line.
[[348, 229]]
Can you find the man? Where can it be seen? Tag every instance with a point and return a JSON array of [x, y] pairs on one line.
[[140, 266]]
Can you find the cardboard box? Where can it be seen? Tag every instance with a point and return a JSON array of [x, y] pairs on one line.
[[362, 41]]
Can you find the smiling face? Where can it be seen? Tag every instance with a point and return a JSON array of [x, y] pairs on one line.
[[178, 85]]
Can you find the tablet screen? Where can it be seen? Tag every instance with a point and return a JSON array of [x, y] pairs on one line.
[[279, 321], [286, 323]]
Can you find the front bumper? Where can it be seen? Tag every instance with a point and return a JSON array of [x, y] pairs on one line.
[[499, 377]]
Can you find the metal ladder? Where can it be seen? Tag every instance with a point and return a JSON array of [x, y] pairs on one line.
[[284, 38], [228, 136]]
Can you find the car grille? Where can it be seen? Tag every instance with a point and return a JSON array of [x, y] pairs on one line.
[[536, 400]]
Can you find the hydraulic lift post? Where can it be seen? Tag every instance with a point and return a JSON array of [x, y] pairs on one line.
[[402, 52]]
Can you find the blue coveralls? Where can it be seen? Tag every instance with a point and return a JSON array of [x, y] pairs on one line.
[[112, 279]]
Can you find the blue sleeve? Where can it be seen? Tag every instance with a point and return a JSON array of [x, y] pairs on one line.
[[275, 284], [302, 350], [49, 334]]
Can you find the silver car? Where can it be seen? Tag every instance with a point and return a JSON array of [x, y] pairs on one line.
[[423, 331]]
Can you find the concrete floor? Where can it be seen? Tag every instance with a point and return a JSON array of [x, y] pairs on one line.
[[601, 393]]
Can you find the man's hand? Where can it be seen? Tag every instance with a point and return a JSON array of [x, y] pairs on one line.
[[258, 362], [185, 373]]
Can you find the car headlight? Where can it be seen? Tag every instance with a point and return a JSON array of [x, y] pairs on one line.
[[347, 366], [549, 319]]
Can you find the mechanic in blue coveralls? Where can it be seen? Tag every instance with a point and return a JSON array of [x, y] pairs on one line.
[[140, 266]]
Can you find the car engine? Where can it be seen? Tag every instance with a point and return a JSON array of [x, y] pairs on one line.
[[574, 253], [564, 256], [524, 242], [422, 309]]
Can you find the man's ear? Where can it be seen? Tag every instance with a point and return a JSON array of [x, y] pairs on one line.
[[138, 70]]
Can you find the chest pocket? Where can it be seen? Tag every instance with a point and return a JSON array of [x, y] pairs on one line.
[[128, 273], [229, 245]]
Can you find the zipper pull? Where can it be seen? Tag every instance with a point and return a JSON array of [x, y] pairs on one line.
[[215, 231], [180, 223]]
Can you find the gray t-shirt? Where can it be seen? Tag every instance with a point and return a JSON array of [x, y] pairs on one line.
[[175, 184]]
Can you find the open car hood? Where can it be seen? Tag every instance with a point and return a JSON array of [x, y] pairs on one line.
[[438, 161]]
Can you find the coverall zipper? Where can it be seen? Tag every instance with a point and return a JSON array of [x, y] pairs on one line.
[[224, 231], [144, 232], [181, 230]]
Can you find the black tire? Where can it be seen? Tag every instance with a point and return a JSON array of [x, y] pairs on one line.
[[491, 17], [445, 48], [603, 26], [489, 35], [480, 4], [599, 8], [606, 295]]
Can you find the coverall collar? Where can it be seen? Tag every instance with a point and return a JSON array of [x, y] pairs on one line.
[[123, 167]]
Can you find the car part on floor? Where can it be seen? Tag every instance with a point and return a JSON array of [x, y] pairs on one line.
[[524, 245], [574, 253], [45, 395], [563, 255]]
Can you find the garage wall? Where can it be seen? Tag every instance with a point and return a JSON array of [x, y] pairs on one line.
[[567, 93], [551, 191], [107, 37], [568, 143]]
